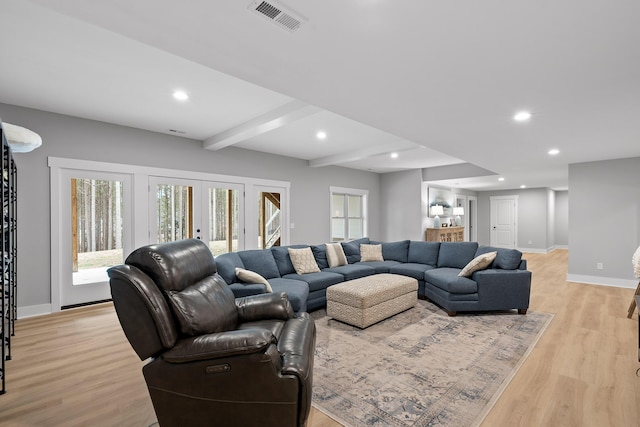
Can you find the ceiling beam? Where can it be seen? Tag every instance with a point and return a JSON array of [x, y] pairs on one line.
[[271, 120], [363, 153]]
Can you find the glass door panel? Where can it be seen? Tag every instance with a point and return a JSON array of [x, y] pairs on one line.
[[223, 213], [96, 234], [269, 221], [206, 210], [97, 228], [175, 211]]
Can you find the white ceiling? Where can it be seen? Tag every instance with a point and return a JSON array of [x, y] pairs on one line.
[[436, 82]]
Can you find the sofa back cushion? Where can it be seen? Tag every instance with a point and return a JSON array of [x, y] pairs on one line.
[[283, 260], [506, 259], [456, 254], [227, 264], [261, 261], [396, 251], [320, 253], [352, 249], [424, 252]]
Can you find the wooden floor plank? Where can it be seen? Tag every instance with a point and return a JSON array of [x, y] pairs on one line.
[[76, 368]]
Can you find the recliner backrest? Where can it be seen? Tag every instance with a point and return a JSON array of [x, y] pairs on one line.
[[175, 265]]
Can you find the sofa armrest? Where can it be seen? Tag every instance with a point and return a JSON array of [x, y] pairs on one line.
[[503, 289], [274, 305], [523, 264], [297, 347], [221, 344]]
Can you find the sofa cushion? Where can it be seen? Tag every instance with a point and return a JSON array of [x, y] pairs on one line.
[[370, 252], [352, 271], [447, 279], [248, 276], [260, 261], [396, 251], [227, 264], [411, 269], [303, 260], [507, 259], [379, 266], [480, 262], [456, 254], [297, 291], [352, 249], [320, 253], [317, 281], [424, 252], [283, 260], [205, 307]]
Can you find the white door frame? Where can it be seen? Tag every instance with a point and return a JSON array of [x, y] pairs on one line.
[[61, 275]]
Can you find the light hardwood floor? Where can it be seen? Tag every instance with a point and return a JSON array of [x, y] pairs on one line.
[[76, 368]]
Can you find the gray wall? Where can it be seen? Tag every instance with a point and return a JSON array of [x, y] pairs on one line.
[[71, 137], [604, 218], [562, 219], [401, 212], [532, 221]]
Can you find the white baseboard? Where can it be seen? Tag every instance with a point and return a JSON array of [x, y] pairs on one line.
[[562, 246], [534, 250], [34, 310], [603, 281]]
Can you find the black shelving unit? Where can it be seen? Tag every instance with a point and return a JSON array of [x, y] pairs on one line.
[[8, 279]]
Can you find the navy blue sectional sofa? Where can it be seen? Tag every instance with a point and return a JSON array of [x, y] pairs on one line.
[[504, 285]]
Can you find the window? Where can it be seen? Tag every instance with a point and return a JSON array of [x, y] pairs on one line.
[[348, 213]]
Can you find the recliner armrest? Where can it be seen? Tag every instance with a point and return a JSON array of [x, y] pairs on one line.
[[265, 306], [221, 344]]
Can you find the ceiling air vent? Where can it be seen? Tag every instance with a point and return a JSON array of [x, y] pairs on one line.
[[280, 15]]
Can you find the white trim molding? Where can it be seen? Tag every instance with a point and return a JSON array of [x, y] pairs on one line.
[[602, 281]]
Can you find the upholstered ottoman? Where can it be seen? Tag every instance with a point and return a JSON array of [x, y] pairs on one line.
[[365, 301]]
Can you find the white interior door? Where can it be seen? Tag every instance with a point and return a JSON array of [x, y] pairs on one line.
[[96, 232], [504, 210]]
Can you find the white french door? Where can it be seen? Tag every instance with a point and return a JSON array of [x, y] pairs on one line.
[[206, 210], [96, 212], [504, 231], [271, 208]]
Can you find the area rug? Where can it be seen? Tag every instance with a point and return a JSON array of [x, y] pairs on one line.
[[420, 367]]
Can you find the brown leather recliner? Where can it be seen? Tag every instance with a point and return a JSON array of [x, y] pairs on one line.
[[215, 360]]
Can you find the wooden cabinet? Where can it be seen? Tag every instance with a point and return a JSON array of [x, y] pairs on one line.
[[445, 234]]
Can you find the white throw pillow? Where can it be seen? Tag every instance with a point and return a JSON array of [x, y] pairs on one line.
[[249, 276], [335, 255], [303, 260], [370, 252], [478, 263]]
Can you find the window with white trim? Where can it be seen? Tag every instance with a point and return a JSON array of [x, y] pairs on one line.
[[348, 213]]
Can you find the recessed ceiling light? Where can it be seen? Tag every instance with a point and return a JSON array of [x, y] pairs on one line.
[[180, 95], [501, 179], [554, 151], [522, 116], [394, 155], [321, 135], [523, 186]]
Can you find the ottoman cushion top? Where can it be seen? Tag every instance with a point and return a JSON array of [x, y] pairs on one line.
[[371, 290]]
